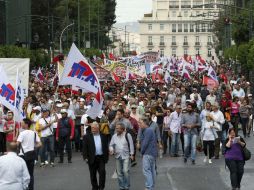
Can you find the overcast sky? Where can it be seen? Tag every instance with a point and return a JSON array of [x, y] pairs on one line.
[[132, 10]]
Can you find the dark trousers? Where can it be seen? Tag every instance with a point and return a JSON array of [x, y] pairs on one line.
[[235, 119], [217, 144], [210, 146], [236, 168], [55, 143], [98, 166], [245, 122], [2, 142], [47, 146], [182, 141], [78, 142], [166, 142], [30, 167], [64, 141]]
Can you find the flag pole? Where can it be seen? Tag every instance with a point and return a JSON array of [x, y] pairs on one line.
[[14, 113]]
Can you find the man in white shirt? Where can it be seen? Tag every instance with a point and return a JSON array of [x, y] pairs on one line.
[[219, 120], [175, 128], [14, 174], [47, 138], [28, 141], [211, 97], [238, 92], [195, 93]]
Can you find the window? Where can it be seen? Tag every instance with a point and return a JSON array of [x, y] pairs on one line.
[[161, 27], [173, 27], [185, 27], [174, 39], [173, 4], [209, 39], [203, 27], [162, 39], [185, 13], [179, 27], [185, 51], [197, 13], [185, 39], [162, 52], [209, 28], [173, 51], [192, 28], [209, 52], [186, 4], [150, 49], [173, 14], [197, 28], [197, 38], [197, 51], [150, 27], [150, 39]]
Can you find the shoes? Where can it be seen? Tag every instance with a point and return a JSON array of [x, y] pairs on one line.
[[46, 162], [193, 162], [69, 161], [205, 160], [42, 164], [185, 160], [134, 163], [60, 161], [52, 164], [210, 161]]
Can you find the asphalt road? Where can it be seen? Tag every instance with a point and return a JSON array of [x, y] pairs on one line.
[[173, 174]]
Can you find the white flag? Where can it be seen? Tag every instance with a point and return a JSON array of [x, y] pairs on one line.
[[19, 100], [78, 72]]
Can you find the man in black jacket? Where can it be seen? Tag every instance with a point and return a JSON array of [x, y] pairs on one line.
[[95, 153]]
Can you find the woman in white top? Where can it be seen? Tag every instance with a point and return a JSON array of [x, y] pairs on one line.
[[208, 135]]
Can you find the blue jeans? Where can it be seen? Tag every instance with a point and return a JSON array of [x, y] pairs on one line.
[[149, 171], [175, 143], [123, 172], [47, 146], [190, 141]]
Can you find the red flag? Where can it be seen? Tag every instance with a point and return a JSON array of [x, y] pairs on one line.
[[115, 77], [199, 58]]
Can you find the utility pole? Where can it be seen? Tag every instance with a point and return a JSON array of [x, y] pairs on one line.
[[79, 23], [98, 25], [89, 23]]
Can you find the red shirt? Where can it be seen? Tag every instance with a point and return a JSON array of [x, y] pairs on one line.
[[7, 126], [70, 123]]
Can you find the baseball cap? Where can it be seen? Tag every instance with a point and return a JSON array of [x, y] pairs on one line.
[[37, 108], [64, 111]]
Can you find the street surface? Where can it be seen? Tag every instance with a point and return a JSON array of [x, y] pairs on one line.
[[173, 174]]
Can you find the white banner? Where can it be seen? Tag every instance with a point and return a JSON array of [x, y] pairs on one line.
[[10, 66]]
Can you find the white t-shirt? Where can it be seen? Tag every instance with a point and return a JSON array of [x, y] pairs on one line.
[[84, 122], [26, 138], [48, 131], [35, 119], [59, 116], [71, 114]]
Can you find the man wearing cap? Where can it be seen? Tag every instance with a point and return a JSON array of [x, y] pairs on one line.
[[47, 138], [64, 135], [134, 113], [35, 116]]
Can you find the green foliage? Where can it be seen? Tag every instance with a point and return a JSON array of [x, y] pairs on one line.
[[37, 57], [91, 52], [230, 52]]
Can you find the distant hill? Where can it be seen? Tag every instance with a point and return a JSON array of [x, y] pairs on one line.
[[131, 26]]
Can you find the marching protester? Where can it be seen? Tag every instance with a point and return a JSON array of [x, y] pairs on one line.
[[122, 146], [234, 158], [64, 135], [190, 123], [96, 153], [149, 152], [14, 173], [47, 138], [28, 141], [11, 128]]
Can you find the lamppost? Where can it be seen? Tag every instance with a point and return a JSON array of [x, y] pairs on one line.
[[60, 44]]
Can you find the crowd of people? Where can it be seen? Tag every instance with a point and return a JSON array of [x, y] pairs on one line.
[[139, 116]]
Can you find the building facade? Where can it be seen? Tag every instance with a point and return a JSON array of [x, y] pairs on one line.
[[15, 21], [180, 27]]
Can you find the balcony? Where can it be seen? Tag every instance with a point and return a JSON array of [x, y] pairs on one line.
[[162, 44], [185, 44], [173, 44], [150, 44], [209, 43], [197, 44]]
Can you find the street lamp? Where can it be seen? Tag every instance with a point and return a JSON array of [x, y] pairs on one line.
[[60, 44]]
